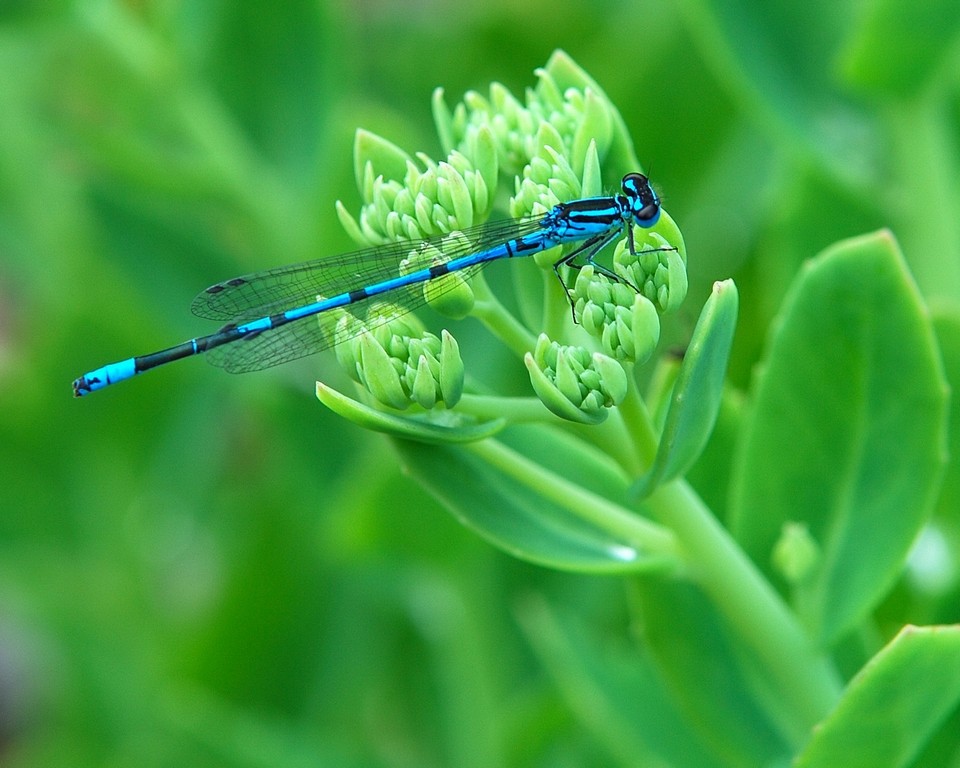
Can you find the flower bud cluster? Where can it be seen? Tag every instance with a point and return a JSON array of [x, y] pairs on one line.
[[400, 363], [567, 119], [625, 322], [546, 180], [573, 382], [403, 202], [656, 270]]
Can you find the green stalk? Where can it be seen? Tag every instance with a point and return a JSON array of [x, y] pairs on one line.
[[516, 410], [613, 437], [501, 323], [639, 425], [924, 151], [806, 683]]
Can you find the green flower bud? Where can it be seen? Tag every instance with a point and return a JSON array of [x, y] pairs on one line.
[[400, 363], [595, 127], [579, 116], [450, 295], [443, 120], [372, 151], [568, 118], [566, 77], [424, 388], [451, 370], [626, 323], [507, 121], [378, 374], [547, 180], [796, 553], [657, 270], [413, 204], [574, 383]]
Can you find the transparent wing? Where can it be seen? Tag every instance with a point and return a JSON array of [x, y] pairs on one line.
[[318, 332], [277, 290]]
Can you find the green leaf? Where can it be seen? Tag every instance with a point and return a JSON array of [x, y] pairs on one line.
[[946, 322], [710, 474], [708, 674], [456, 431], [846, 430], [614, 690], [536, 514], [698, 391], [922, 34], [893, 705]]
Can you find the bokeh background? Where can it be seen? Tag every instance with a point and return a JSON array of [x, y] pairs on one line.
[[204, 569]]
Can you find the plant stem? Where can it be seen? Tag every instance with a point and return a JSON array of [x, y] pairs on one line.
[[613, 438], [806, 683], [499, 321], [556, 306], [925, 146], [639, 424], [517, 410]]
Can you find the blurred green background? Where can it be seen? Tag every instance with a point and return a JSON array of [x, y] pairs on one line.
[[202, 569]]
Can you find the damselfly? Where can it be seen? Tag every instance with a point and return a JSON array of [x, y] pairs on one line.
[[271, 315]]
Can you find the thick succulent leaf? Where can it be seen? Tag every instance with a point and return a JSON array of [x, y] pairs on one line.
[[893, 705], [457, 430], [698, 391], [845, 432], [534, 513]]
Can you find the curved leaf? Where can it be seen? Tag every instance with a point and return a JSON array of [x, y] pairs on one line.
[[698, 391], [536, 514], [405, 426], [893, 705], [946, 321], [615, 691], [846, 430], [715, 682]]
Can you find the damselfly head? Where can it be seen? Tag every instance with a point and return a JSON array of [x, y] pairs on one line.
[[643, 200]]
